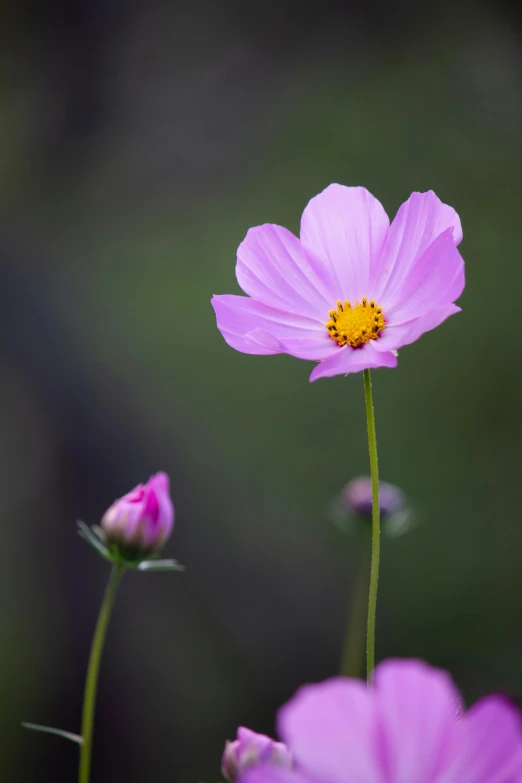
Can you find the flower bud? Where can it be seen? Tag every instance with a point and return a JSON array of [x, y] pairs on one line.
[[250, 749], [351, 510], [357, 498], [138, 524]]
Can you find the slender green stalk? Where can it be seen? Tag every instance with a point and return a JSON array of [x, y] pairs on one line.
[[91, 680], [353, 651], [376, 528]]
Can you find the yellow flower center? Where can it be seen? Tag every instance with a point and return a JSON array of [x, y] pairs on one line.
[[356, 325]]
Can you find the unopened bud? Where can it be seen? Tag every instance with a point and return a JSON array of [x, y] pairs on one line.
[[139, 523], [351, 510], [250, 749], [357, 498]]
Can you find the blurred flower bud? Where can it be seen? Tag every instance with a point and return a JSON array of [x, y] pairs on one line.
[[249, 749], [352, 509], [357, 498], [138, 524]]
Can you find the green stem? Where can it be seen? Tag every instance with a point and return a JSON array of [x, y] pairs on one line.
[[91, 681], [376, 528], [353, 652]]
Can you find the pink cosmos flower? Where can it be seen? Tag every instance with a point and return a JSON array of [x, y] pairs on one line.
[[352, 289], [140, 522], [250, 749], [402, 730]]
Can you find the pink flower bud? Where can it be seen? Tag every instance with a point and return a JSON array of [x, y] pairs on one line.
[[139, 523], [250, 749], [357, 498]]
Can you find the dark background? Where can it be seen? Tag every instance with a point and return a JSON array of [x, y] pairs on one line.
[[138, 143]]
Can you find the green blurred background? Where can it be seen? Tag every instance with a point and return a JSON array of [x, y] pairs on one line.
[[138, 143]]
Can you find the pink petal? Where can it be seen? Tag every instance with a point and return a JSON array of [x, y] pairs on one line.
[[273, 774], [346, 228], [161, 483], [273, 267], [416, 706], [435, 279], [417, 224], [314, 350], [331, 730], [252, 327], [151, 507], [131, 516], [395, 337], [262, 339], [490, 745], [347, 359]]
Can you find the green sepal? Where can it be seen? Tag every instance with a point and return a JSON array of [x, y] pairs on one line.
[[351, 524], [94, 537], [160, 565], [399, 523], [58, 732]]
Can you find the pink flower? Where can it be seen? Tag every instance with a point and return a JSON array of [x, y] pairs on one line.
[[402, 730], [140, 522], [352, 289], [249, 749]]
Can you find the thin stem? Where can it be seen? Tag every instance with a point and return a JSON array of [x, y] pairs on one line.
[[376, 528], [91, 680], [353, 652]]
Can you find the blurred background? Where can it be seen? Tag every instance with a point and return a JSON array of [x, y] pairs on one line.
[[138, 143]]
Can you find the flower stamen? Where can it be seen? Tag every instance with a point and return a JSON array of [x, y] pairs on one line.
[[355, 325]]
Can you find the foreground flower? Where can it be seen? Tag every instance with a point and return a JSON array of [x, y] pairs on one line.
[[139, 523], [249, 749], [405, 729], [352, 289]]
